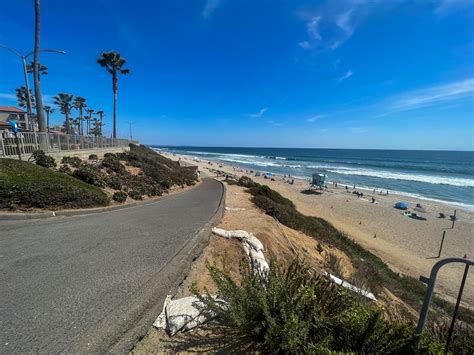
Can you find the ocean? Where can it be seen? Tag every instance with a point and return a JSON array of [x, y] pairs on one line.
[[442, 176]]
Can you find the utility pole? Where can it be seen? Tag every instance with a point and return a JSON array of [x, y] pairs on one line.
[[130, 124]]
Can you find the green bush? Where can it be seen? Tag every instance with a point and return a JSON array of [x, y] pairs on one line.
[[89, 174], [371, 272], [119, 196], [109, 155], [93, 157], [163, 171], [25, 185], [114, 182], [41, 159], [112, 164], [65, 169], [75, 162], [135, 194], [295, 310]]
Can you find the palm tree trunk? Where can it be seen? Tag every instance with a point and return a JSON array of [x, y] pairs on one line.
[[47, 121], [39, 100], [115, 88], [67, 124]]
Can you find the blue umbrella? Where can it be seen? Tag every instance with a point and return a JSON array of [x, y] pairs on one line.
[[401, 205]]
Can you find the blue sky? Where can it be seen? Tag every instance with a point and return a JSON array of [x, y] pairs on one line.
[[340, 74]]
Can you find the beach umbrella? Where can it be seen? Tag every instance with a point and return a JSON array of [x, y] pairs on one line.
[[401, 205]]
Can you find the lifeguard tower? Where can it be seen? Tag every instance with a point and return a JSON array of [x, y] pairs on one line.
[[318, 181]]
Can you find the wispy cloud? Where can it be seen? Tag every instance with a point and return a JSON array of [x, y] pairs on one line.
[[314, 118], [347, 75], [332, 25], [275, 124], [259, 113], [447, 7], [8, 97], [433, 95], [324, 130], [209, 7]]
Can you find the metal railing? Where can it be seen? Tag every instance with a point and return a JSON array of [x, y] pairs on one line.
[[28, 142]]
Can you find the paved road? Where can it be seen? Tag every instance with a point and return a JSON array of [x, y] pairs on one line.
[[83, 282]]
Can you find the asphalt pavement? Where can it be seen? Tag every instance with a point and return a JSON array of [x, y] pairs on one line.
[[85, 283]]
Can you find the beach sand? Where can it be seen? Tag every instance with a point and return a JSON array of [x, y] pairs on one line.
[[407, 245]]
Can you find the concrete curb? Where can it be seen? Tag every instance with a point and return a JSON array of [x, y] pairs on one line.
[[81, 212], [176, 271]]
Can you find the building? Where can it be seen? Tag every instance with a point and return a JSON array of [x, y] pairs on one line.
[[8, 113]]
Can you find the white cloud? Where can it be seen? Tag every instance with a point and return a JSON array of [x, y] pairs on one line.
[[304, 45], [259, 113], [314, 118], [347, 75], [9, 97], [209, 7], [324, 130], [433, 95], [313, 28]]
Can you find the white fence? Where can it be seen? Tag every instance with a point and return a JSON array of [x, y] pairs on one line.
[[54, 142]]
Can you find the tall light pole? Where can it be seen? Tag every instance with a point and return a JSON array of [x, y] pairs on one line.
[[25, 73], [130, 128]]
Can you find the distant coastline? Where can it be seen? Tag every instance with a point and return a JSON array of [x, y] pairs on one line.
[[439, 176]]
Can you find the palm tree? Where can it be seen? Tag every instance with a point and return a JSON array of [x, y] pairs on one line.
[[80, 104], [43, 69], [36, 71], [90, 112], [113, 63], [49, 110], [63, 101], [101, 118], [23, 98]]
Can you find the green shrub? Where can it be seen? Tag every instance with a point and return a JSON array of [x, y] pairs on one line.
[[41, 159], [119, 196], [135, 194], [163, 171], [112, 164], [114, 182], [89, 174], [75, 162], [109, 155], [295, 310], [25, 185], [65, 169], [93, 157]]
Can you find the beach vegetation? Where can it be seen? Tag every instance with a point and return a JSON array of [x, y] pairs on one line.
[[24, 185], [93, 157], [295, 310], [65, 169], [75, 162], [119, 196], [370, 270], [90, 174], [40, 158]]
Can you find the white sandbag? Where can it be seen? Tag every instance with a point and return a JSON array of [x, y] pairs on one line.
[[254, 242], [351, 287], [239, 234], [181, 314]]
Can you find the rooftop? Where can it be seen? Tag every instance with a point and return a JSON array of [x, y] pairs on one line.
[[11, 109]]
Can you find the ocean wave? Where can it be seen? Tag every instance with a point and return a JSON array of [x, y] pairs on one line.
[[429, 179]]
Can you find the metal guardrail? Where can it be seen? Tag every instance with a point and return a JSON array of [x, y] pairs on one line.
[[28, 142]]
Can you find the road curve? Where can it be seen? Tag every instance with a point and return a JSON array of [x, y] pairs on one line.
[[83, 283]]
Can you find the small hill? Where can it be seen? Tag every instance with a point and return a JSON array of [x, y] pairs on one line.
[[24, 185]]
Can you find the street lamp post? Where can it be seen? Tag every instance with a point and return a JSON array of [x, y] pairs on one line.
[[25, 73]]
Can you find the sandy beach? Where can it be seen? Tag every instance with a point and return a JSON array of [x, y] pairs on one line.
[[407, 245]]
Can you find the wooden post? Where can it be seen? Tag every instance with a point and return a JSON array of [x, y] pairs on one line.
[[441, 246]]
